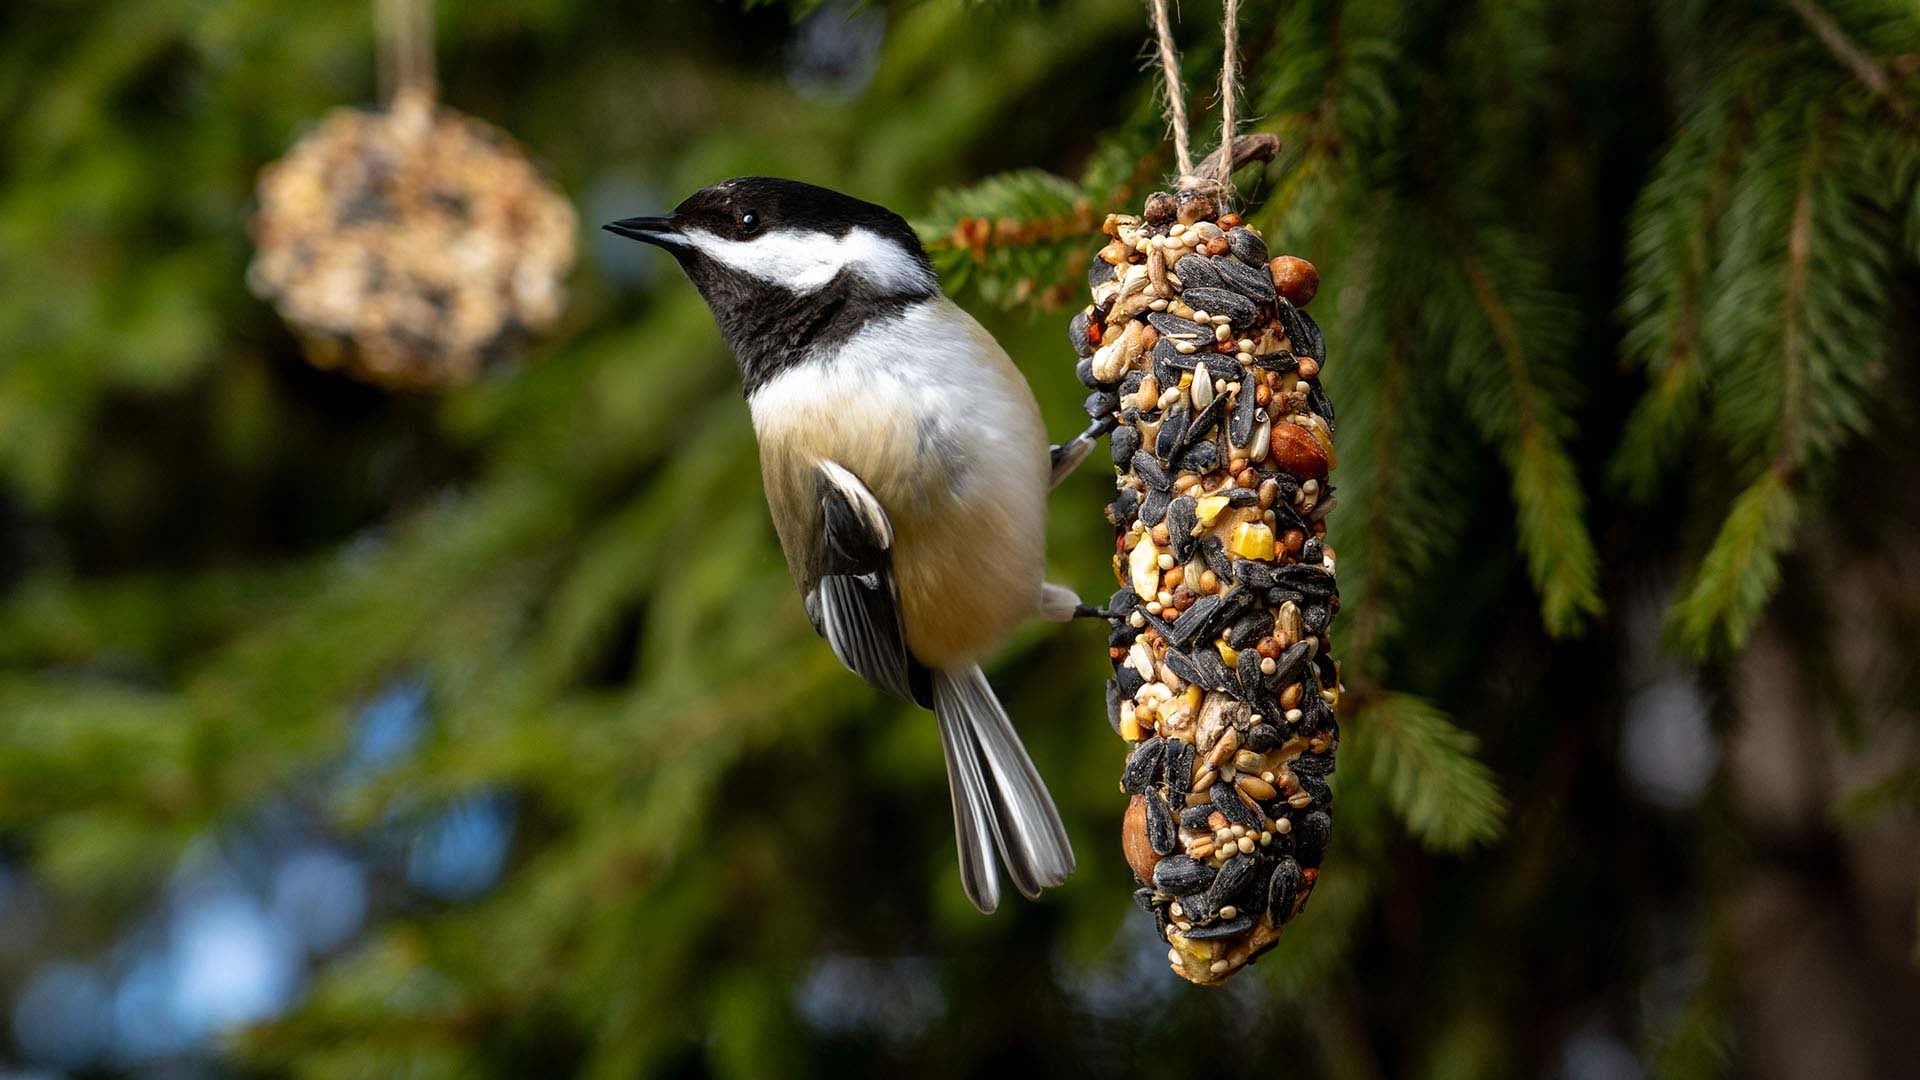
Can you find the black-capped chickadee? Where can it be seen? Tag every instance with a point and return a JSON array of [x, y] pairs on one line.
[[907, 471]]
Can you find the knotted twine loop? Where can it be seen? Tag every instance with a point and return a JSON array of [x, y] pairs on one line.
[[408, 83], [1213, 176]]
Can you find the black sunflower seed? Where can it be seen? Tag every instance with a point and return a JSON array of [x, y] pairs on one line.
[[1319, 402], [1153, 508], [1222, 367], [1101, 403], [1312, 580], [1181, 756], [1202, 423], [1213, 670], [1302, 332], [1196, 908], [1204, 617], [1122, 635], [1233, 877], [1248, 668], [1195, 817], [1316, 617], [1246, 411], [1313, 552], [1167, 363], [1233, 806], [1248, 629], [1128, 680], [1316, 711], [1214, 553], [1182, 665], [1225, 928], [1174, 327], [1083, 370], [1125, 442], [1197, 272], [1160, 829], [1239, 310], [1311, 833], [1142, 766], [1255, 575], [1328, 675], [1099, 272], [1143, 899], [1312, 765], [1204, 457], [1282, 361], [1148, 469], [1113, 705], [1253, 902], [1181, 875], [1246, 245], [1173, 430], [1077, 334], [1254, 284], [1283, 888], [1317, 787], [1262, 738], [1286, 666], [1182, 519]]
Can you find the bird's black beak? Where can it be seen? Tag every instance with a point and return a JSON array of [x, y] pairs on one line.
[[648, 230]]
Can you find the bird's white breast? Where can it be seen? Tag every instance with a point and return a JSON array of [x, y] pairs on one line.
[[928, 411]]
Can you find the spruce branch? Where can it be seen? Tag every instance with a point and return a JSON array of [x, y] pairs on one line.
[[1442, 792], [1741, 569], [1671, 238], [1513, 404], [1850, 55]]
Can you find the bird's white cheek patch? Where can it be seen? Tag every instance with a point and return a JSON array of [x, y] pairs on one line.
[[806, 261]]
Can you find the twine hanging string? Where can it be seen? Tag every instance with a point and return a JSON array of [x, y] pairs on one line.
[[1176, 97], [404, 32], [1229, 72], [1214, 174]]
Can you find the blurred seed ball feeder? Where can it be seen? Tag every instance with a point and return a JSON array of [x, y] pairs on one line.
[[411, 246]]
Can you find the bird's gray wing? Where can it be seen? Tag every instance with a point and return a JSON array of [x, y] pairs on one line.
[[853, 603]]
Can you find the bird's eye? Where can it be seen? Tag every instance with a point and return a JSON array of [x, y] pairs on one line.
[[749, 223]]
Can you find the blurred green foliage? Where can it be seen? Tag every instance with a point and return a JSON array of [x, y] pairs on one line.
[[213, 556]]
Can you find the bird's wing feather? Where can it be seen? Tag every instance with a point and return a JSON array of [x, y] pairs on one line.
[[853, 602]]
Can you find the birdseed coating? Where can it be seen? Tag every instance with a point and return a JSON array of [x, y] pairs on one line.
[[1224, 686], [410, 246]]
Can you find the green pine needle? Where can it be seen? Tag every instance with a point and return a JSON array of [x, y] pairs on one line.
[[1446, 796], [1740, 571]]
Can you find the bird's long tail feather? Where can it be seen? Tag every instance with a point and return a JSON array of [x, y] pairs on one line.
[[999, 801]]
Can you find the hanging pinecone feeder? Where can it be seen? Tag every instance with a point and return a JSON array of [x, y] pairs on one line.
[[410, 246], [1224, 686]]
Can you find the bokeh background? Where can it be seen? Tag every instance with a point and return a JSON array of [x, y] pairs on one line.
[[476, 731]]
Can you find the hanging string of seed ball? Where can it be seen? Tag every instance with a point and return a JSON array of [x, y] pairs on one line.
[[410, 246], [1224, 685]]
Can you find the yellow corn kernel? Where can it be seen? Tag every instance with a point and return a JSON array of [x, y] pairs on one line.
[[1251, 540], [1227, 652], [1209, 508], [1130, 728]]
